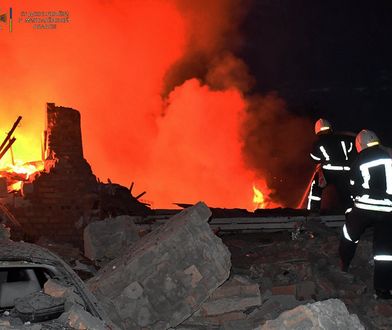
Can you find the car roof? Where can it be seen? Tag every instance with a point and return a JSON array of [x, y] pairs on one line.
[[10, 250]]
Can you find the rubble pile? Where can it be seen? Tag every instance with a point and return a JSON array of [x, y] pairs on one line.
[[299, 268], [182, 276], [227, 304], [166, 276]]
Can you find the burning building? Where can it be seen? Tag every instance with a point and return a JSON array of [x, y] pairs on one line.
[[57, 201]]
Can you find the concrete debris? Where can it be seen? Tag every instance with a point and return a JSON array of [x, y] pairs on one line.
[[237, 294], [296, 272], [38, 306], [105, 240], [227, 303], [166, 276], [272, 307], [78, 318], [328, 314], [54, 288]]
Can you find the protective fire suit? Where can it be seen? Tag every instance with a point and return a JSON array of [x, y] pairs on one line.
[[333, 154], [371, 185]]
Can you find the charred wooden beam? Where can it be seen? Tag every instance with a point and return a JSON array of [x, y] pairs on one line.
[[8, 137], [131, 187], [10, 143], [140, 195]]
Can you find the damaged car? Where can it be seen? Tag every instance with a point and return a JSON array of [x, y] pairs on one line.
[[38, 287]]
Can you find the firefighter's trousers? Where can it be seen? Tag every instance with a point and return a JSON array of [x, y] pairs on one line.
[[356, 222], [322, 178]]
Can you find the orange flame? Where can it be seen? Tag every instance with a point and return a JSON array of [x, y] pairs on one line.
[[20, 172], [258, 198], [26, 169]]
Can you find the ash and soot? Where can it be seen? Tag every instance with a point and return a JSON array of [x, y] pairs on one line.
[[165, 101]]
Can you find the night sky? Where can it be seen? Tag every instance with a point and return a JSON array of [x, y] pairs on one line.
[[327, 59]]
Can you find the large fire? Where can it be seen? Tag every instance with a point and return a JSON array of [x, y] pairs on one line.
[[175, 129]]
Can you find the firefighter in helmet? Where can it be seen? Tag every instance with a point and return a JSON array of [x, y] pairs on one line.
[[371, 186], [333, 153]]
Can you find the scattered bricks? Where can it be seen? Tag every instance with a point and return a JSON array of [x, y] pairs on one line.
[[325, 289], [284, 290], [328, 314], [5, 324], [383, 310], [237, 294], [176, 268], [198, 320], [272, 307], [355, 290], [78, 318], [55, 289], [305, 290], [238, 324], [105, 240]]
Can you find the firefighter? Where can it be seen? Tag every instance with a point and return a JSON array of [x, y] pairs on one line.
[[371, 185], [333, 153]]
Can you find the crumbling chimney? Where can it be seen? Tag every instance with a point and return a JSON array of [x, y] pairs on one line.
[[63, 136]]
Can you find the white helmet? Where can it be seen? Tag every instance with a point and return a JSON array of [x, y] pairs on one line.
[[322, 125], [366, 139]]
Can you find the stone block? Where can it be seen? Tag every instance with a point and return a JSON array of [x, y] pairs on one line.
[[165, 276], [328, 314], [107, 239]]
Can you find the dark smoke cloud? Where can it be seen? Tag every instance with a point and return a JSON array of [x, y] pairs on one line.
[[212, 29], [276, 144]]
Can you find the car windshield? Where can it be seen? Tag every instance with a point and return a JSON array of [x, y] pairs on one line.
[[18, 281]]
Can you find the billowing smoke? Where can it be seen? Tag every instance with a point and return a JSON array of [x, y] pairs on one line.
[[164, 100], [277, 144]]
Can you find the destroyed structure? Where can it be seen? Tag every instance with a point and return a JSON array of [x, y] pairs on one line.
[[199, 268], [60, 200]]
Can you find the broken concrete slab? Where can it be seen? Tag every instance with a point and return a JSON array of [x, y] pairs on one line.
[[328, 314], [106, 240], [273, 306], [237, 294], [166, 276], [227, 304]]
